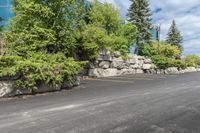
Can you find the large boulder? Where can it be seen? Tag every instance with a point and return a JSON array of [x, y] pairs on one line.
[[93, 64], [160, 71], [100, 58], [110, 72], [140, 63], [42, 88], [190, 69], [140, 57], [147, 61], [107, 58], [117, 64], [151, 71], [172, 70], [69, 84], [119, 59], [139, 71], [132, 61], [99, 72], [104, 64], [126, 72], [96, 72], [146, 66], [117, 54], [135, 66], [6, 87]]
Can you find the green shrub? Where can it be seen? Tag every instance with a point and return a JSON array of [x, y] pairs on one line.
[[52, 69], [192, 60], [8, 65], [163, 49], [163, 62]]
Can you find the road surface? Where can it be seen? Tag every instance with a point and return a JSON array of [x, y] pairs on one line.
[[126, 104]]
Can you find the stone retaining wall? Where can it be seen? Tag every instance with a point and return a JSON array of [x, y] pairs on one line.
[[7, 88], [107, 66], [115, 66]]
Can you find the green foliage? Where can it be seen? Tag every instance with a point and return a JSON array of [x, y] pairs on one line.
[[129, 31], [192, 60], [40, 39], [45, 26], [53, 69], [43, 34], [140, 15], [106, 31], [105, 16], [163, 62], [162, 49], [8, 65], [164, 55], [94, 39], [174, 36]]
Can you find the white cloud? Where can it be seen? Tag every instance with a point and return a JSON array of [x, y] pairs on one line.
[[186, 13]]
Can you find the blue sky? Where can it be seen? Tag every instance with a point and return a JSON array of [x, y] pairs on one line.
[[186, 13]]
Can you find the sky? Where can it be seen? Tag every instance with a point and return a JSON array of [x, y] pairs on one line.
[[186, 13]]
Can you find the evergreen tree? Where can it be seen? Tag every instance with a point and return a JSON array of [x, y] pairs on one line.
[[174, 36], [45, 25], [140, 15]]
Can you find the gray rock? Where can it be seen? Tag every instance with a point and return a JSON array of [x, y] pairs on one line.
[[118, 64], [139, 71], [99, 72], [21, 92], [118, 59], [190, 69], [107, 58], [146, 66], [140, 62], [42, 88], [117, 54], [126, 71], [172, 70], [6, 87], [100, 58], [136, 66], [147, 61], [104, 64], [127, 65], [83, 72], [181, 71], [160, 71], [91, 65], [151, 71], [132, 61], [69, 84], [140, 57]]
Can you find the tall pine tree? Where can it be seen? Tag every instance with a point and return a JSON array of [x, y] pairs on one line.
[[140, 15], [174, 36]]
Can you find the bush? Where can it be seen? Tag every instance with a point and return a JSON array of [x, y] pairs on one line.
[[164, 55], [53, 69], [163, 49], [192, 60], [163, 62]]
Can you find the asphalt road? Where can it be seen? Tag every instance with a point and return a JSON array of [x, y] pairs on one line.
[[128, 104]]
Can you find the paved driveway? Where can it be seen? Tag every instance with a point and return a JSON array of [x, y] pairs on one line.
[[126, 104]]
